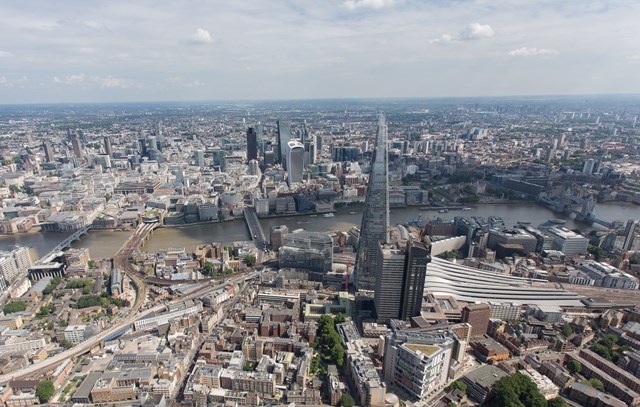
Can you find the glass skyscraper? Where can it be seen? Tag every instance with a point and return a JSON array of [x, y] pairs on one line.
[[375, 219]]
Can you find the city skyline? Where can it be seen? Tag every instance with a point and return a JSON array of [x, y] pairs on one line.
[[134, 51]]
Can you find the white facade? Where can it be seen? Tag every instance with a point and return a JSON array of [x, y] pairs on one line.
[[568, 242], [162, 319]]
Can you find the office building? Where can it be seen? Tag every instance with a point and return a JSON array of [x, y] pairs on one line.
[[588, 167], [218, 160], [310, 251], [277, 235], [295, 162], [198, 157], [400, 280], [48, 152], [477, 315], [108, 150], [629, 235], [480, 381], [284, 136], [568, 241], [418, 255], [252, 144], [14, 263], [79, 333], [375, 220], [388, 289], [77, 147], [417, 363]]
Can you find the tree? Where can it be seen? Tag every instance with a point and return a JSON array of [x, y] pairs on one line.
[[340, 318], [458, 385], [45, 391], [14, 306], [596, 251], [65, 343], [250, 260], [595, 383], [566, 330], [574, 366], [346, 401], [557, 402], [207, 269], [518, 391], [602, 351]]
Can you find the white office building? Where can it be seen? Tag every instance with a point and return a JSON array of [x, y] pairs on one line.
[[567, 241]]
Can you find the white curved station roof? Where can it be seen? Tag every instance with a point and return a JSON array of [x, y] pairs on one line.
[[474, 285]]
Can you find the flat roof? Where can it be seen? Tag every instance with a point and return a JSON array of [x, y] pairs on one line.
[[84, 391], [425, 349]]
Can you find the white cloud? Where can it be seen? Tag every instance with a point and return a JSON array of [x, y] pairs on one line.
[[3, 80], [634, 59], [70, 79], [201, 37], [180, 81], [375, 4], [442, 39], [476, 31], [104, 82], [532, 52], [6, 54], [111, 82]]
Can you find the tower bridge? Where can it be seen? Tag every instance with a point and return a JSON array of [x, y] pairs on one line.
[[583, 207]]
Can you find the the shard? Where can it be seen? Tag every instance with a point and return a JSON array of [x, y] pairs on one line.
[[375, 219]]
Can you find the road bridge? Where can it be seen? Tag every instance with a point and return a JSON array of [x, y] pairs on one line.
[[66, 243], [255, 228]]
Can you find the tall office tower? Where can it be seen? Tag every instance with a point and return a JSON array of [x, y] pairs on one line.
[[152, 141], [253, 168], [198, 156], [252, 144], [295, 160], [284, 135], [418, 255], [388, 282], [142, 147], [81, 136], [77, 147], [319, 143], [477, 315], [219, 161], [375, 219], [629, 235], [312, 153], [48, 152], [588, 166], [107, 146]]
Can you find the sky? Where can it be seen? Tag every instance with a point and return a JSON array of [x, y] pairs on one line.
[[159, 50]]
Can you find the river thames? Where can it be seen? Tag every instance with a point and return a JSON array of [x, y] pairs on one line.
[[104, 244]]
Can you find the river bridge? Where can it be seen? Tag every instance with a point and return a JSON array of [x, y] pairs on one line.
[[583, 207], [66, 243], [255, 228]]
